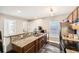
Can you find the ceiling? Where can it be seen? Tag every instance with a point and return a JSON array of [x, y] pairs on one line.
[[33, 12]]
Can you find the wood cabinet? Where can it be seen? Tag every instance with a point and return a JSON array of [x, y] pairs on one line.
[[16, 48], [1, 46], [28, 47], [75, 15], [40, 43], [36, 46], [32, 47], [78, 12], [70, 18]]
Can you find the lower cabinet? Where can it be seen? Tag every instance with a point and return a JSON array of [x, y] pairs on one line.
[[32, 47], [36, 46], [1, 47], [41, 43], [29, 48]]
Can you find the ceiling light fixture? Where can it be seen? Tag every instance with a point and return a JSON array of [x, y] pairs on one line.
[[51, 12], [19, 11]]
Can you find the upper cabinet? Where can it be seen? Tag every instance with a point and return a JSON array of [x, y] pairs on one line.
[[78, 12], [73, 17], [70, 18], [75, 13]]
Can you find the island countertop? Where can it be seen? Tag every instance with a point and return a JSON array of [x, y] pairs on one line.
[[23, 42], [70, 39]]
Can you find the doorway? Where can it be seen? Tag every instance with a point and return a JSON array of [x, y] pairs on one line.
[[54, 31]]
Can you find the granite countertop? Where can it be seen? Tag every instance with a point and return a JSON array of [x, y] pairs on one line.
[[23, 42], [71, 39]]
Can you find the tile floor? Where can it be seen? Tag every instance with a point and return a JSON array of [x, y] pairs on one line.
[[49, 48]]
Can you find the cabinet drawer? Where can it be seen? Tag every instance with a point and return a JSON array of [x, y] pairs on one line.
[[28, 46], [36, 46], [75, 15], [78, 12], [40, 44], [36, 42], [16, 48], [31, 49]]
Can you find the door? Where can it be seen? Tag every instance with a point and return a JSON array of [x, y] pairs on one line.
[[54, 31]]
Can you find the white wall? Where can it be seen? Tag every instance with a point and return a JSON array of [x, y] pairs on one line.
[[35, 24], [28, 26], [46, 23], [2, 27], [20, 25]]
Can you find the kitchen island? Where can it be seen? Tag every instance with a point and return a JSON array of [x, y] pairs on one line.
[[30, 44], [72, 42]]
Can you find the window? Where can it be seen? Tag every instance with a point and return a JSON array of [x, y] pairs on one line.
[[9, 27], [55, 28]]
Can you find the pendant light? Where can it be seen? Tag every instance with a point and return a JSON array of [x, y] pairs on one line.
[[51, 12]]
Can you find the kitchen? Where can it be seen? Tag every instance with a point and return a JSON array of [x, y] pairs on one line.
[[34, 29]]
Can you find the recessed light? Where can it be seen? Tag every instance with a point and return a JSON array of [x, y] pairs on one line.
[[19, 11]]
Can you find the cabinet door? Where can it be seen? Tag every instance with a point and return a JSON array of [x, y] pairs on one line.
[[31, 50], [45, 39], [1, 47], [17, 49], [75, 15], [78, 12], [27, 47], [70, 18], [40, 43], [36, 46]]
